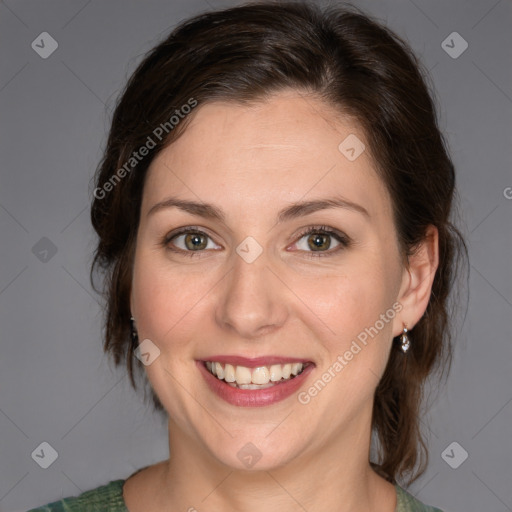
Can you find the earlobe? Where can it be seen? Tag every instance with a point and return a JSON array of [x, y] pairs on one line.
[[417, 280]]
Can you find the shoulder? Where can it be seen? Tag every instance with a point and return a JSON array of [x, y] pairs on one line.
[[106, 497], [406, 502]]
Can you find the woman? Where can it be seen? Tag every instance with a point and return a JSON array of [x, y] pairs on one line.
[[273, 212]]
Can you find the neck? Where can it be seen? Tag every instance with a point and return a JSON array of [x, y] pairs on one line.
[[194, 480]]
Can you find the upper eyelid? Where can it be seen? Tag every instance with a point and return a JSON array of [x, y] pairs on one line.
[[185, 230]]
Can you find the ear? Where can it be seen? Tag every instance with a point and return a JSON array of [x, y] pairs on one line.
[[417, 279]]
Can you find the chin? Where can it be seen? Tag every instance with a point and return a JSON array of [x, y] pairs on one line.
[[254, 453]]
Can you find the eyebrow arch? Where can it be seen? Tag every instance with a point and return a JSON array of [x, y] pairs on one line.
[[293, 211]]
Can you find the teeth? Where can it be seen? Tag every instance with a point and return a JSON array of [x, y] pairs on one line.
[[296, 368], [229, 373], [260, 375], [254, 378], [219, 370], [276, 373], [242, 375], [254, 386]]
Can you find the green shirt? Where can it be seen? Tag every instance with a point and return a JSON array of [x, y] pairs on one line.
[[109, 498]]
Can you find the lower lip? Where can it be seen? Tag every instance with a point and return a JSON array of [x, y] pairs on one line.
[[253, 397]]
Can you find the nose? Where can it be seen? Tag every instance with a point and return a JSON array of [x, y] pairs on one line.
[[252, 301]]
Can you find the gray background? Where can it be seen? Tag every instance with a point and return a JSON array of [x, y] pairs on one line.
[[56, 384]]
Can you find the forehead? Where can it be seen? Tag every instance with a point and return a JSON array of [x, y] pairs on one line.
[[285, 148]]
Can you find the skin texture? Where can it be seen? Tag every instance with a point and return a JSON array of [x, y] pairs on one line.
[[252, 161]]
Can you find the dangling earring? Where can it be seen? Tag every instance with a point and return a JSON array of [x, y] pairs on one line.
[[135, 336], [405, 340]]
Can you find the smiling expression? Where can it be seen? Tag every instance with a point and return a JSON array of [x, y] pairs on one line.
[[291, 252]]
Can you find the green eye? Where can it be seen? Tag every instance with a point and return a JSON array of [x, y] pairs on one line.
[[320, 239], [189, 240], [195, 241]]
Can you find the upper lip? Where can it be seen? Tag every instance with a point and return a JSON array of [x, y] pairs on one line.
[[254, 362]]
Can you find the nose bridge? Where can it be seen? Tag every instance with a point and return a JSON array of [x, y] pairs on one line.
[[250, 303]]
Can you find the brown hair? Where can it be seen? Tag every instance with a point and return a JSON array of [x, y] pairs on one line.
[[353, 63]]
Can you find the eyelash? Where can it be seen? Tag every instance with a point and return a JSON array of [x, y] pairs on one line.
[[343, 239]]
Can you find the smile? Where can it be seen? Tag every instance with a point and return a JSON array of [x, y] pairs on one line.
[[260, 377], [254, 382]]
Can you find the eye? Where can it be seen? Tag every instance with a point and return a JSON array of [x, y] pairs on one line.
[[317, 240], [189, 240]]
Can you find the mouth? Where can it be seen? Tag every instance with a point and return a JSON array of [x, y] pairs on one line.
[[260, 377], [254, 382]]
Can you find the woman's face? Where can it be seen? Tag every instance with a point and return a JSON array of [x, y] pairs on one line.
[[248, 287]]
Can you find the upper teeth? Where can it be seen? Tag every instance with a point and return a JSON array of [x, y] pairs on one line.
[[260, 375]]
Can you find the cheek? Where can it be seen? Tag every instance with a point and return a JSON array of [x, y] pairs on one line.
[[349, 300], [164, 299], [351, 305], [356, 355]]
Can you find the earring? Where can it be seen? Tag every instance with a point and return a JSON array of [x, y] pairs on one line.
[[135, 336], [405, 340]]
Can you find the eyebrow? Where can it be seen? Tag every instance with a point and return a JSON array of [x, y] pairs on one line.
[[293, 211]]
